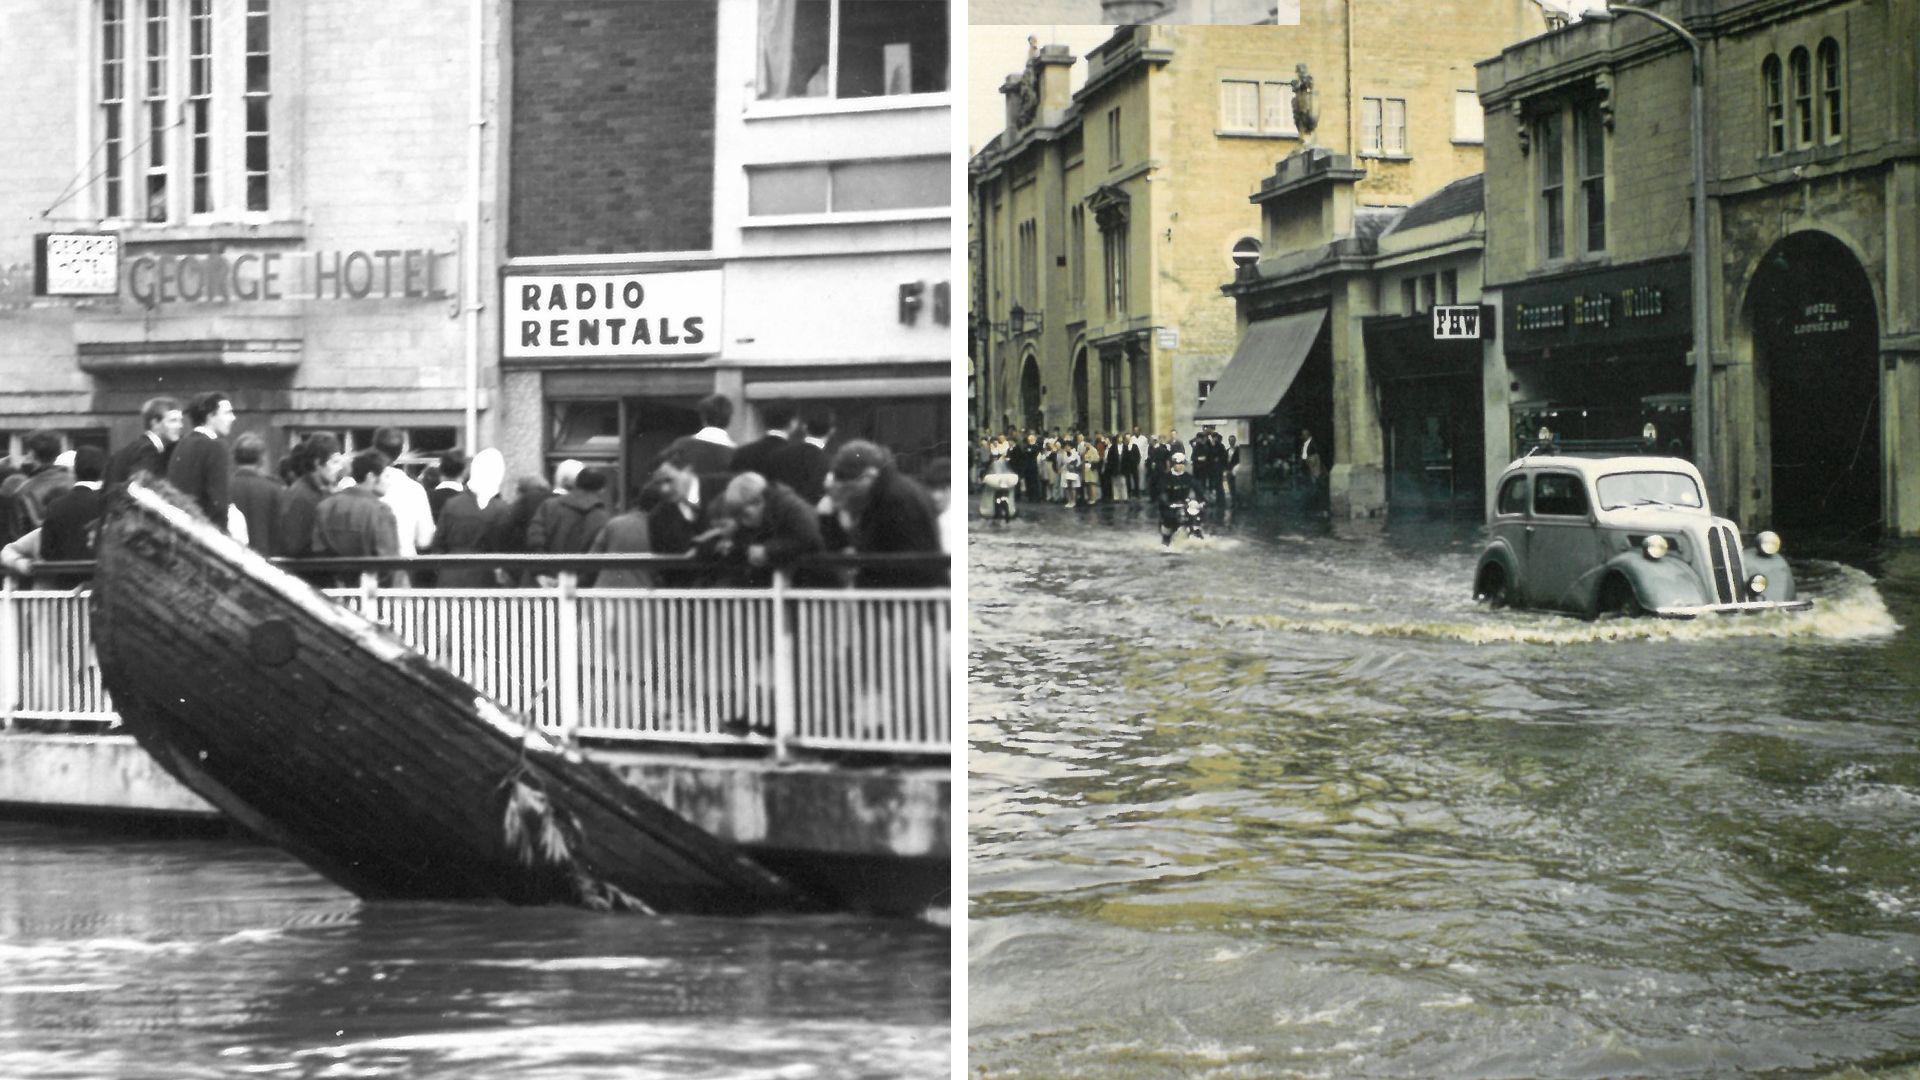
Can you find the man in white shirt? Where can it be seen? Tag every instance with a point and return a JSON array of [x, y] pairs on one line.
[[404, 495]]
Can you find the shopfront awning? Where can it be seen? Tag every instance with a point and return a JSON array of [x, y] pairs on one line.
[[1263, 367]]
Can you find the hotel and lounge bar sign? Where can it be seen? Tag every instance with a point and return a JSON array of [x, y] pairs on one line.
[[76, 264], [673, 314]]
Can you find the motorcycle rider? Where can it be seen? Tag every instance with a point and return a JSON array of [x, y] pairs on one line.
[[1176, 489]]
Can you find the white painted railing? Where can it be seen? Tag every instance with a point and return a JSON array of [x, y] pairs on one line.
[[829, 669]]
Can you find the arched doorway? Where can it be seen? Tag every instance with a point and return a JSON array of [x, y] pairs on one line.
[[1081, 418], [1815, 329], [1030, 413]]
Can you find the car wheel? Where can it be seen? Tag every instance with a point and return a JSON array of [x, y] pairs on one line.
[[1618, 598], [1493, 587]]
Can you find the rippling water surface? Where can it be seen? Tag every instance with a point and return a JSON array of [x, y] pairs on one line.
[[1288, 803], [209, 958]]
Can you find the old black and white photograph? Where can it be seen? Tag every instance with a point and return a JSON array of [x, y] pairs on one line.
[[476, 524], [1444, 479]]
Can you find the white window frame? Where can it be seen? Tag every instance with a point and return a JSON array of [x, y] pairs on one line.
[[1114, 157], [1830, 81], [1240, 105], [1276, 109], [183, 85], [760, 108]]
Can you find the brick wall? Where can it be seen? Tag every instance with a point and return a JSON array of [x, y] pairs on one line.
[[612, 127]]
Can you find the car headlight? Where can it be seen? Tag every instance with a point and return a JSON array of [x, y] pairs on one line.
[[1655, 546], [1757, 584], [1768, 542]]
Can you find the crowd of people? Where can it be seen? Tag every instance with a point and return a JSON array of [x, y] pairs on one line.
[[1078, 469], [747, 510]]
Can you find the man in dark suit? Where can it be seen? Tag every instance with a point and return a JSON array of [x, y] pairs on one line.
[[802, 464], [681, 515], [710, 450], [759, 455], [453, 481], [202, 463], [74, 517], [149, 452], [891, 512], [255, 492]]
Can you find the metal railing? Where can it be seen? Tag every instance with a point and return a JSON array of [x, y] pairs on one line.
[[838, 669]]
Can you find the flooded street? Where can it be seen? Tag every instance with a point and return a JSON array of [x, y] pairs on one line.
[[1290, 803], [186, 958]]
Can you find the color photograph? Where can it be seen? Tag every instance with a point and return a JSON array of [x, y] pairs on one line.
[[1441, 581]]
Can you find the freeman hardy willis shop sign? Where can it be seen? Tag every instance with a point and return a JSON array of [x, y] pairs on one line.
[[573, 316], [1648, 305]]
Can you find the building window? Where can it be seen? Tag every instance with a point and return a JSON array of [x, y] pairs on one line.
[[1239, 105], [1469, 122], [1831, 126], [200, 101], [1254, 107], [1449, 286], [1115, 244], [113, 101], [1590, 146], [258, 95], [1775, 96], [848, 187], [851, 48], [155, 50], [1383, 126], [1113, 138], [1801, 71], [1246, 252], [1409, 296], [165, 110], [1076, 257], [1206, 391], [1547, 147], [1029, 264], [1395, 138]]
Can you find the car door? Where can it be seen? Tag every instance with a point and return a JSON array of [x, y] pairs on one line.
[[1562, 543], [1510, 524]]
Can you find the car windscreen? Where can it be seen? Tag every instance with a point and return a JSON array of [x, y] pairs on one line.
[[1648, 489]]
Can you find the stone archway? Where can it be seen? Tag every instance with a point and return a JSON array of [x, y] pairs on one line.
[[1031, 415], [1814, 323]]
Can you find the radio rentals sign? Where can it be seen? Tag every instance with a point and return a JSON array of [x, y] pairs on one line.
[[612, 315]]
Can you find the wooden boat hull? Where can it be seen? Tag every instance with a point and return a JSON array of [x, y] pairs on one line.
[[323, 733]]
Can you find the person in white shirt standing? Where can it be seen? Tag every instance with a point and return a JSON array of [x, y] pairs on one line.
[[405, 497]]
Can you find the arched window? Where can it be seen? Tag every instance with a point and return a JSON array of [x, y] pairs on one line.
[[1831, 125], [1774, 94], [1800, 69]]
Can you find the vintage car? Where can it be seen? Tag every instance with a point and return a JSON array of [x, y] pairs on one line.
[[1625, 535]]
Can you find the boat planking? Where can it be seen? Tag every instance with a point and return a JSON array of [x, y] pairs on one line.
[[326, 735]]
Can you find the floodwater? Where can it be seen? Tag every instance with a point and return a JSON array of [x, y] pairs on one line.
[[187, 958], [1288, 803]]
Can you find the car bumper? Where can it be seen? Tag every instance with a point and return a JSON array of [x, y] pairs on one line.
[[1753, 607]]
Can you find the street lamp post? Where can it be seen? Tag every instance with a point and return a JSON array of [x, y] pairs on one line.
[[1702, 356]]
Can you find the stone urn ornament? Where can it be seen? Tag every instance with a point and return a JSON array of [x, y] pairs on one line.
[[1306, 108]]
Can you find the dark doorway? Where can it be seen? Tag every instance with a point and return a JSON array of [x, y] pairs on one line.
[[1307, 405], [1815, 329], [1082, 420], [1031, 416], [1434, 445], [652, 425]]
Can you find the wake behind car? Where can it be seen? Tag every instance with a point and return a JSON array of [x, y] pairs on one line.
[[1626, 535]]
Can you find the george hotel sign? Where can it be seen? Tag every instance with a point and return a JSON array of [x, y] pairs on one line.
[[552, 316]]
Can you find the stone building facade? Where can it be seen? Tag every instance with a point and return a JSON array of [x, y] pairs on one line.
[[1109, 216], [550, 230], [1813, 255], [296, 197]]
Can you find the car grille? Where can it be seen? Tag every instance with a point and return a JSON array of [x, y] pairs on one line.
[[1728, 580]]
